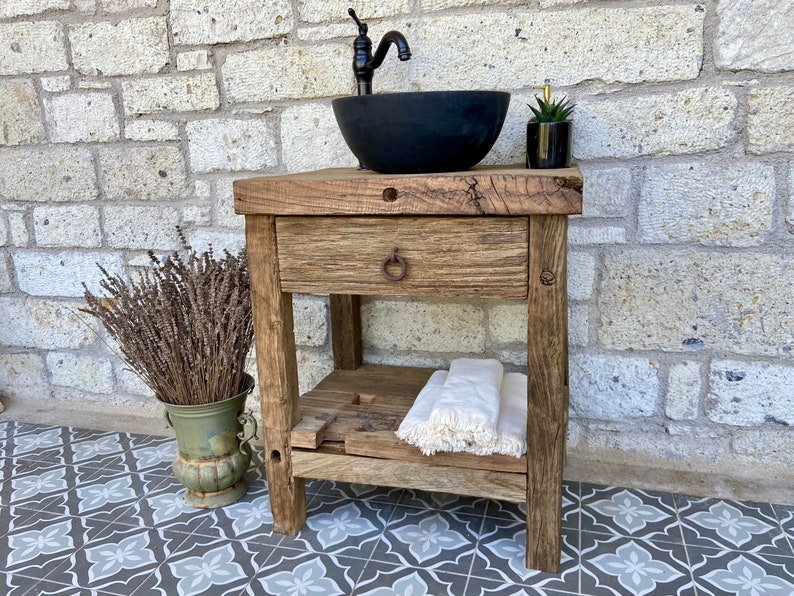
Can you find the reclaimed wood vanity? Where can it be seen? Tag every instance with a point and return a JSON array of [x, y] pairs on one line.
[[490, 232]]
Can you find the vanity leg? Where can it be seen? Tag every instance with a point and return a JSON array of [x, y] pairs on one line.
[[278, 373], [345, 330], [547, 390]]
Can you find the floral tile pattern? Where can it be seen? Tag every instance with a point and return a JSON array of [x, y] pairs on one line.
[[94, 513]]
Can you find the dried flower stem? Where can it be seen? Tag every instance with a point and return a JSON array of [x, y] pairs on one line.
[[185, 327]]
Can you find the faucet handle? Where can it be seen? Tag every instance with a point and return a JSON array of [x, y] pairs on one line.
[[362, 27]]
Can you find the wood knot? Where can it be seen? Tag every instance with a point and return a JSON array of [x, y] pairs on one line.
[[546, 277], [389, 194]]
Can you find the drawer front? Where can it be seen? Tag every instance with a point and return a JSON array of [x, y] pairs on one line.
[[433, 256]]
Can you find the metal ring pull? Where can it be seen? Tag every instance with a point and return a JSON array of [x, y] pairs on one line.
[[393, 258]]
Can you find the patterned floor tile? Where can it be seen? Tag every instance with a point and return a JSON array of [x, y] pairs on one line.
[[341, 526], [518, 511], [727, 573], [291, 573], [16, 584], [629, 512], [248, 519], [146, 453], [206, 565], [118, 559], [381, 494], [40, 544], [164, 507], [440, 540], [618, 565], [13, 517], [105, 494], [41, 485], [47, 588], [483, 587], [444, 502], [750, 527], [383, 579], [501, 557], [785, 514]]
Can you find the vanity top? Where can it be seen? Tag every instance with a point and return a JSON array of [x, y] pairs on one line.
[[484, 190]]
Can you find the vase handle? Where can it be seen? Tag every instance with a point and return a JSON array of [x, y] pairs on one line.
[[249, 418], [167, 419]]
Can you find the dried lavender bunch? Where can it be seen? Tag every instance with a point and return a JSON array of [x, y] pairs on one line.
[[185, 326]]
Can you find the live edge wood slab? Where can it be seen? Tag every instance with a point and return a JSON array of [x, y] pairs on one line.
[[489, 232]]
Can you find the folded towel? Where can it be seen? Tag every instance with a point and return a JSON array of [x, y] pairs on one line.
[[512, 424], [467, 410], [414, 427]]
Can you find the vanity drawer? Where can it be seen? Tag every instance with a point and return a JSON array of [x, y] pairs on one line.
[[439, 256]]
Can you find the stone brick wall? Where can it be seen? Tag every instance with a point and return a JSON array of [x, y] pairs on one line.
[[122, 118]]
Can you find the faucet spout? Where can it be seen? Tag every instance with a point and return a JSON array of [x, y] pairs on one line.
[[364, 63], [392, 37]]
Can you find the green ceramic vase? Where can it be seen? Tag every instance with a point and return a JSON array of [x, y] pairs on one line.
[[213, 454]]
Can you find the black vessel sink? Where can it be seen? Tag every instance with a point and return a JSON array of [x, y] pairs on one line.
[[421, 132]]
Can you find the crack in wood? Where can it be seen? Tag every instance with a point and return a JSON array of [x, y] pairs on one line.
[[474, 196]]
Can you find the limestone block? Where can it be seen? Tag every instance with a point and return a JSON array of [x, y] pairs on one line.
[[32, 47], [442, 4], [427, 326], [581, 275], [755, 35], [23, 376], [56, 84], [46, 324], [171, 93], [578, 325], [143, 228], [224, 206], [770, 119], [683, 391], [67, 226], [142, 173], [511, 146], [669, 123], [507, 322], [311, 140], [132, 46], [41, 273], [707, 203], [122, 5], [750, 393], [80, 372], [193, 60], [318, 11], [583, 235], [767, 449], [6, 281], [224, 21], [313, 367], [151, 130], [523, 47], [683, 301], [197, 214], [220, 240], [612, 387], [324, 32], [129, 382], [53, 174], [288, 72], [226, 144], [20, 117], [76, 117], [3, 230], [311, 320], [18, 226], [607, 190], [18, 8]]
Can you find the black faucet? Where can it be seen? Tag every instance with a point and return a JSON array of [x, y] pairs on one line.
[[364, 63]]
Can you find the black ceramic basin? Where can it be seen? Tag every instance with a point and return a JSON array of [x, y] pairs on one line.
[[427, 131]]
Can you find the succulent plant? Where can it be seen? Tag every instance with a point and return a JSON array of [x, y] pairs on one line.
[[552, 111]]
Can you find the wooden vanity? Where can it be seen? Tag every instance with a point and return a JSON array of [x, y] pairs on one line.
[[490, 232]]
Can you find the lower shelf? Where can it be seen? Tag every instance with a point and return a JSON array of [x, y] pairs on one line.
[[346, 433]]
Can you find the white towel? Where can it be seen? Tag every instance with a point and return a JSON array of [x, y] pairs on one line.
[[512, 425], [467, 409], [414, 427]]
